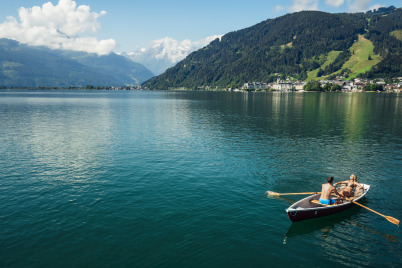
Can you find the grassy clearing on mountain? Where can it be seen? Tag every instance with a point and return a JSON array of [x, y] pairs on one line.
[[287, 45], [331, 57], [397, 34], [363, 57]]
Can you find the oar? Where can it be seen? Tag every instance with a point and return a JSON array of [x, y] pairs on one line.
[[390, 219], [278, 194]]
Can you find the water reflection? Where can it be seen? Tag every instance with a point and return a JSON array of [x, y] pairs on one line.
[[306, 135], [321, 225], [336, 114], [343, 224]]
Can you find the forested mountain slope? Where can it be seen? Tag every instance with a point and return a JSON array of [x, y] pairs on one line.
[[292, 45]]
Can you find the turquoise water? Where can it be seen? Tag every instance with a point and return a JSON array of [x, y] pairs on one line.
[[178, 179]]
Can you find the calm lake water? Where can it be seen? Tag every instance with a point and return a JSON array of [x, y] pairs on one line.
[[178, 179]]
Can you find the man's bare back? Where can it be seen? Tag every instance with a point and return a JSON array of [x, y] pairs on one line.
[[327, 189]]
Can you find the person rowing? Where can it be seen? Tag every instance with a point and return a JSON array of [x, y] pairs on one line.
[[350, 185], [326, 191]]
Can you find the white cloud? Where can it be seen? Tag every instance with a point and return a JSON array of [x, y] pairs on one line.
[[175, 51], [358, 5], [299, 5], [334, 3], [64, 26], [166, 52], [279, 8]]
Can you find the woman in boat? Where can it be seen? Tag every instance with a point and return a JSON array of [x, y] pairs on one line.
[[350, 185]]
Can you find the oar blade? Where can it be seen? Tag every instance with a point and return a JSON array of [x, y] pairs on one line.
[[272, 193], [393, 220], [389, 218]]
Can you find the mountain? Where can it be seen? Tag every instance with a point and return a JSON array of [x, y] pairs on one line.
[[304, 45], [166, 52], [30, 66], [121, 68], [150, 59]]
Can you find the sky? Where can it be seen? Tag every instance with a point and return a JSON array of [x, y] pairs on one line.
[[103, 26]]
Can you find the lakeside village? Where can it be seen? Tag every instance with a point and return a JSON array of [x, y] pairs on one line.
[[355, 85]]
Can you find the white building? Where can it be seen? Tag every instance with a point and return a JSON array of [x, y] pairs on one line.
[[299, 86], [255, 86], [283, 85]]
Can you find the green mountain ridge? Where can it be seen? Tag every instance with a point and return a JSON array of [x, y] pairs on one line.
[[29, 66], [298, 45]]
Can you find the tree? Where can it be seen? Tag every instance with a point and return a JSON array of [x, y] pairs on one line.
[[388, 80], [332, 77], [373, 87], [328, 87], [312, 85]]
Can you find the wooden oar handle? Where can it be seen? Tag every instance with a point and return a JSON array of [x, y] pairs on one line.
[[301, 193], [364, 207], [277, 194]]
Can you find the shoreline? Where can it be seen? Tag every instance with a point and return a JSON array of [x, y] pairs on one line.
[[183, 90]]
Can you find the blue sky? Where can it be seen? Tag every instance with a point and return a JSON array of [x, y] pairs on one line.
[[130, 25]]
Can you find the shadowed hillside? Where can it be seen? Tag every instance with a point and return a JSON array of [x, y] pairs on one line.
[[29, 66]]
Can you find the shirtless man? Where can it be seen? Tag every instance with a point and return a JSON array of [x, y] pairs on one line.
[[326, 191]]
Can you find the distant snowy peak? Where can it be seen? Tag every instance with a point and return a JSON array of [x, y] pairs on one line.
[[175, 51], [166, 52]]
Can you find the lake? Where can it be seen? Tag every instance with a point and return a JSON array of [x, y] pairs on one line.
[[178, 179]]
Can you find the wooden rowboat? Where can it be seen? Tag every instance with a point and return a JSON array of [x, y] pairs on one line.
[[310, 208]]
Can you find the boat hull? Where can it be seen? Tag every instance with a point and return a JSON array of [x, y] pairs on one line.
[[305, 209], [315, 213]]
